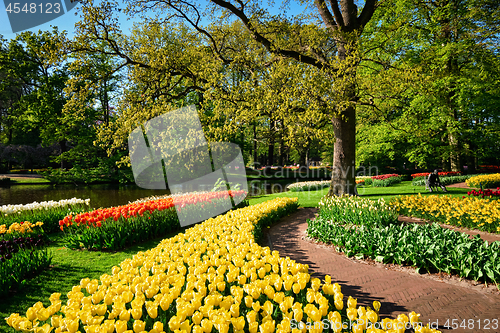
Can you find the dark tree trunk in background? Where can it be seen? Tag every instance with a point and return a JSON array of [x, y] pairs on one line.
[[270, 150], [62, 145], [255, 156]]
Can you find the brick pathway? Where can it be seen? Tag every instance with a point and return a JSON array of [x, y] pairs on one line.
[[398, 291]]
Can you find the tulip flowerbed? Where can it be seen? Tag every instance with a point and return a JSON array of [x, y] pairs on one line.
[[386, 180], [212, 278], [445, 180], [47, 212], [308, 186], [21, 229], [467, 212], [318, 185], [117, 227], [484, 181], [428, 247], [357, 210], [443, 173], [485, 193], [21, 257]]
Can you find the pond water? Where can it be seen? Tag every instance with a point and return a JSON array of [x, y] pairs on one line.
[[108, 195]]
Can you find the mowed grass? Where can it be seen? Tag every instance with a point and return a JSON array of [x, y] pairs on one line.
[[28, 180], [311, 198], [69, 266]]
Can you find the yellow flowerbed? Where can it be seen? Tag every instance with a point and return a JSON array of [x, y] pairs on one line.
[[486, 181], [212, 278], [468, 212], [19, 228]]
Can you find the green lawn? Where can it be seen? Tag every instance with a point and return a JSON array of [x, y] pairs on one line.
[[28, 180], [311, 198], [69, 267]]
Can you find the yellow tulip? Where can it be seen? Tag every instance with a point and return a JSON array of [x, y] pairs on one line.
[[125, 315], [269, 291], [235, 310], [267, 327], [43, 329], [206, 324], [72, 325], [372, 315], [251, 316], [55, 321], [108, 326], [174, 323], [357, 328], [376, 306], [256, 306], [136, 313], [248, 301], [414, 317], [43, 314], [352, 314], [238, 323], [197, 317], [351, 302], [25, 325], [31, 313], [152, 309], [197, 329], [298, 314], [253, 327], [139, 326], [339, 305]]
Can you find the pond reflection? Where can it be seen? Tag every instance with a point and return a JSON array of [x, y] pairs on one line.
[[108, 195]]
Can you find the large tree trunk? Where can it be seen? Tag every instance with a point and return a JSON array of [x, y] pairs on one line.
[[344, 154], [344, 128]]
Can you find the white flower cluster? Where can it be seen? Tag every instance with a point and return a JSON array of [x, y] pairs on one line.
[[308, 185], [11, 209]]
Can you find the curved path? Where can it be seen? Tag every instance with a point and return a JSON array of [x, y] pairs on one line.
[[399, 290]]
